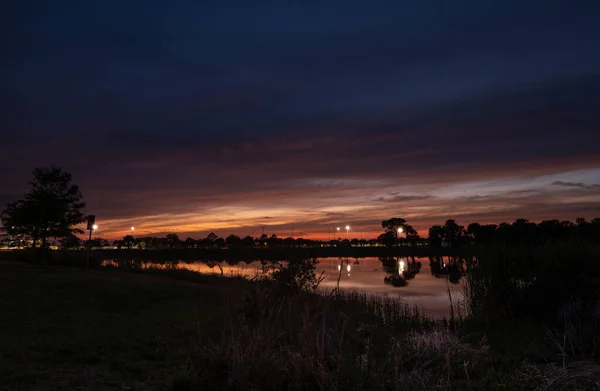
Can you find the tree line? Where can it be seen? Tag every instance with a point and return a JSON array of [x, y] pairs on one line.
[[53, 208], [521, 232]]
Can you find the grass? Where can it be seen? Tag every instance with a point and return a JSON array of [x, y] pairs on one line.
[[64, 328]]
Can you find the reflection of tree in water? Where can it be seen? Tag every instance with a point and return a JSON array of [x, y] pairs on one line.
[[400, 270], [452, 269]]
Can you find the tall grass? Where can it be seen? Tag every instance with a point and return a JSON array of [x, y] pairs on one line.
[[337, 342], [281, 337], [556, 287]]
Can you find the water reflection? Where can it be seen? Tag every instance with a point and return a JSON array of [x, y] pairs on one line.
[[451, 268], [392, 277], [400, 270]]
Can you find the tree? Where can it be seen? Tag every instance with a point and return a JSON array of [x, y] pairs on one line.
[[70, 242], [52, 208], [190, 243], [129, 240], [388, 238], [263, 240], [392, 226], [233, 241], [219, 242], [436, 236], [453, 232], [173, 240], [248, 241], [273, 240]]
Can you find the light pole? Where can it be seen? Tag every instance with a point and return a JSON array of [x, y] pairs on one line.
[[347, 230], [338, 230], [87, 264]]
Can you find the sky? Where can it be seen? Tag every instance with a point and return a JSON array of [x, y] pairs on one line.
[[228, 116]]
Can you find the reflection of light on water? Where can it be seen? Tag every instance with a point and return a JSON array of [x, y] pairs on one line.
[[401, 267], [426, 291], [198, 267]]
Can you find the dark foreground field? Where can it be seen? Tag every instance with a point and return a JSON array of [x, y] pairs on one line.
[[65, 328], [75, 329]]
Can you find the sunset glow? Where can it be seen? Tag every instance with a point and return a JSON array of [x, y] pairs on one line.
[[278, 119]]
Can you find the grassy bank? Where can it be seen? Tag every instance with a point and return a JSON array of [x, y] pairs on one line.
[[67, 328]]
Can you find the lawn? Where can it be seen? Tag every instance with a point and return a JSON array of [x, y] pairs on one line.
[[66, 328]]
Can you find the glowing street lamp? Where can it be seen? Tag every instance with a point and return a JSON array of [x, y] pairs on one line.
[[89, 253], [399, 231], [347, 229]]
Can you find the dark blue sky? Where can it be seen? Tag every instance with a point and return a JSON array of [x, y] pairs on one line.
[[197, 115]]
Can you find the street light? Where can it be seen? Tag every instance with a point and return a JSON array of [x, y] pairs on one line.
[[400, 230], [87, 261], [347, 229]]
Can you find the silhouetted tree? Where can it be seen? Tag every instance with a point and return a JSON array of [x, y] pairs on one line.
[[233, 241], [387, 239], [248, 241], [482, 234], [436, 236], [263, 240], [189, 242], [391, 227], [219, 242], [453, 233], [52, 208], [128, 241], [173, 240], [273, 241], [70, 242]]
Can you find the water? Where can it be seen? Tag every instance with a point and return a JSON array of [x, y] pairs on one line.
[[408, 279]]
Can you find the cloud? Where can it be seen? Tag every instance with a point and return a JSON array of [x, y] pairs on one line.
[[577, 185], [410, 197], [307, 116]]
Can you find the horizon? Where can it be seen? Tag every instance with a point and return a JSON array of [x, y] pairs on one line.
[[318, 236], [212, 118]]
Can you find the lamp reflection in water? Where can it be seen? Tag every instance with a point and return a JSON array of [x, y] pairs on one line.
[[348, 268]]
